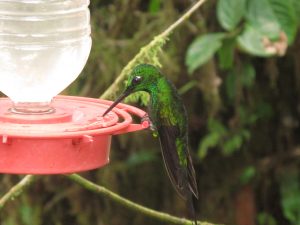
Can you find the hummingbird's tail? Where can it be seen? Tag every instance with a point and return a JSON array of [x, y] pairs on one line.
[[191, 206]]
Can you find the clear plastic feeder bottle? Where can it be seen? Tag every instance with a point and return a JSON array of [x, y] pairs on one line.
[[44, 45]]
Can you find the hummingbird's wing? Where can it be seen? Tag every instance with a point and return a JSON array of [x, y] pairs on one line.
[[192, 175], [181, 176]]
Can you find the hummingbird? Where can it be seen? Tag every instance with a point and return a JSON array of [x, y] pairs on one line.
[[168, 119]]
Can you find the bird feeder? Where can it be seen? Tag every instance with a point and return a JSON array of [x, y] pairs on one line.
[[44, 46]]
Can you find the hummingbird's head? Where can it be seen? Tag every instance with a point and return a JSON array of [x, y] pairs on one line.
[[142, 78]]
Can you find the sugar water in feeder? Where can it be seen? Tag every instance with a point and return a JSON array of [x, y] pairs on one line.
[[44, 46]]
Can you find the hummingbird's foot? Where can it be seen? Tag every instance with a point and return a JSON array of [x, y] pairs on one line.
[[147, 119], [152, 127]]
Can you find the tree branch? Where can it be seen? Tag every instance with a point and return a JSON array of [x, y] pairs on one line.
[[183, 18], [149, 52], [129, 204], [16, 190]]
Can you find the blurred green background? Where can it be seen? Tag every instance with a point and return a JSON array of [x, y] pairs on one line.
[[236, 64]]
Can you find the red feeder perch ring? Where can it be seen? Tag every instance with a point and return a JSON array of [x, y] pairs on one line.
[[72, 139]]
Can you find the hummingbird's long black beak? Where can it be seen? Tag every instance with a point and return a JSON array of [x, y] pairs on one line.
[[118, 100]]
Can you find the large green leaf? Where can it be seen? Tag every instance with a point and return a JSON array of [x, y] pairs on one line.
[[251, 42], [261, 16], [230, 13], [286, 16], [202, 49], [296, 6]]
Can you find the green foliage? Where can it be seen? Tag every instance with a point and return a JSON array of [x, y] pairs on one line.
[[290, 196], [286, 15], [154, 6], [216, 131], [230, 13], [248, 75], [27, 214], [262, 18], [188, 86], [266, 219], [202, 49], [243, 77], [265, 24], [296, 6], [140, 157], [248, 174], [250, 41], [220, 136], [226, 54], [255, 28], [234, 142], [228, 139]]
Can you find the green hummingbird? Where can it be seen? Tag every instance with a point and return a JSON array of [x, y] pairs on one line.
[[168, 118]]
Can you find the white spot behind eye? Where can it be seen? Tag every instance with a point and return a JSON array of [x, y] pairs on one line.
[[137, 79]]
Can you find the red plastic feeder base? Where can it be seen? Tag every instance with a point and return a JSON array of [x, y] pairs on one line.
[[72, 139]]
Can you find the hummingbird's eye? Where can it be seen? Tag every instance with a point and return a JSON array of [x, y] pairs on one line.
[[137, 80]]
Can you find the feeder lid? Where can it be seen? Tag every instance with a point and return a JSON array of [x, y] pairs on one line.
[[73, 116]]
